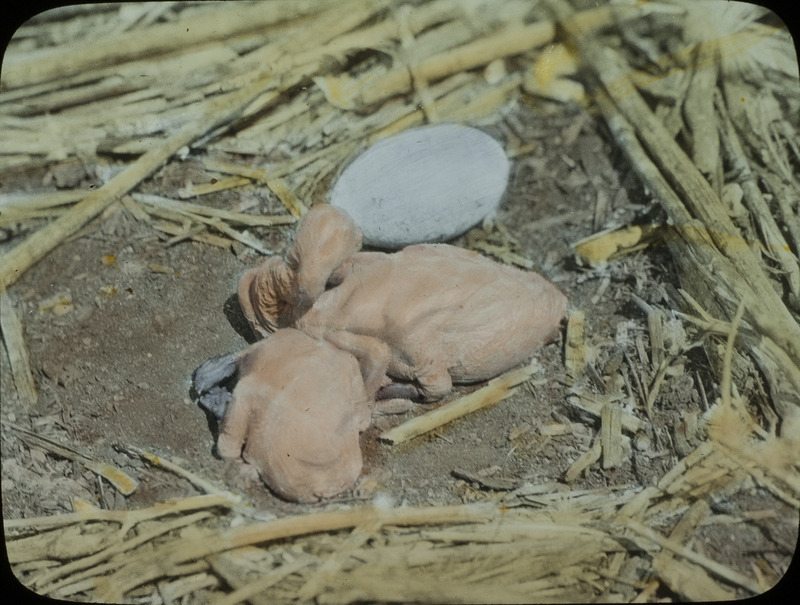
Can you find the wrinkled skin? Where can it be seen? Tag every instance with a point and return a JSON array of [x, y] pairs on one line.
[[320, 244], [430, 314], [295, 413]]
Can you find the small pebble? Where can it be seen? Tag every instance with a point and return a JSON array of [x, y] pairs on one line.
[[427, 184]]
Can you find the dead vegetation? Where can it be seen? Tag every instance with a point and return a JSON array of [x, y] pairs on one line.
[[708, 122]]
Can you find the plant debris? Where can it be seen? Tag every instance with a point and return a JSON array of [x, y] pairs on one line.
[[650, 456]]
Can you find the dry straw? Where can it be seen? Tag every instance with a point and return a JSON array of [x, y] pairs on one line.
[[245, 81]]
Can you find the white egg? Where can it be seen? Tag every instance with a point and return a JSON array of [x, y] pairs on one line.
[[426, 184]]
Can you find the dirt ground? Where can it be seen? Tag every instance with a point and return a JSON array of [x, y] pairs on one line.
[[116, 321]]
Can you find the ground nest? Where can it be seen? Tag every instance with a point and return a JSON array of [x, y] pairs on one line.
[[650, 453]]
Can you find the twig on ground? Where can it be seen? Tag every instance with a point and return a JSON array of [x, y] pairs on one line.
[[124, 483], [494, 392], [162, 462]]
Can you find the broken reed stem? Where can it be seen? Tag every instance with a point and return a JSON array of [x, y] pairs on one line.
[[124, 483], [287, 197], [717, 569], [422, 17], [725, 383], [779, 342], [700, 115], [145, 567], [736, 266], [244, 238], [218, 111], [683, 192], [45, 200], [124, 517], [611, 435], [198, 235], [211, 219], [256, 586], [162, 462], [658, 381], [772, 237], [192, 210], [575, 348], [335, 520], [511, 40], [587, 459], [17, 350], [206, 27], [688, 580], [594, 404], [335, 561], [274, 182], [494, 392], [223, 184], [702, 451], [49, 580]]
